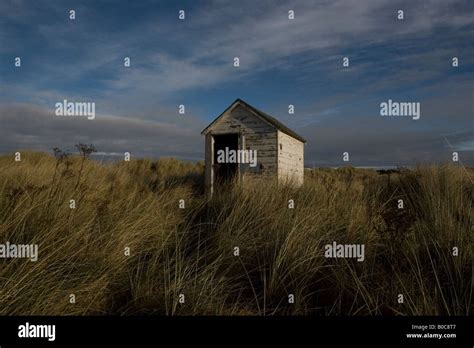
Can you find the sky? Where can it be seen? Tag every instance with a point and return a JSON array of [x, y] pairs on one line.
[[282, 61]]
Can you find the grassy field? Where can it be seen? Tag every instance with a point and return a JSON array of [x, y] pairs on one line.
[[190, 251]]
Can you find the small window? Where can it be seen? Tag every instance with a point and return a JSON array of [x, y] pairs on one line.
[[281, 146]]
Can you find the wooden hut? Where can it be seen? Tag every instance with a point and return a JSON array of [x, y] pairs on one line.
[[245, 131]]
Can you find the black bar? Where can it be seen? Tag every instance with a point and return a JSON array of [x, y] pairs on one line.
[[226, 330]]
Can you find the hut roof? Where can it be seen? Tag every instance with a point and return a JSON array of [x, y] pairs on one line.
[[266, 117]]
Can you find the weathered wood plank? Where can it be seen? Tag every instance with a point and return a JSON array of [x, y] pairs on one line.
[[290, 158]]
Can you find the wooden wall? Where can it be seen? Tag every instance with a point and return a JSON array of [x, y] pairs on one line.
[[208, 170], [257, 134], [290, 159]]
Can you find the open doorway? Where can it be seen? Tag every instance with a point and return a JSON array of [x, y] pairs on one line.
[[225, 172]]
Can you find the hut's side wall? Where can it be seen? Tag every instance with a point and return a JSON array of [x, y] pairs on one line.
[[208, 162], [256, 135], [290, 159]]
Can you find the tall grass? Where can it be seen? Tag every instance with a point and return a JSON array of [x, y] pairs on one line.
[[191, 251]]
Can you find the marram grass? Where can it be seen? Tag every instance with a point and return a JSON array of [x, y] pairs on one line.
[[188, 255]]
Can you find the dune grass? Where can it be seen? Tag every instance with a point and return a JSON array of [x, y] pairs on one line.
[[191, 251]]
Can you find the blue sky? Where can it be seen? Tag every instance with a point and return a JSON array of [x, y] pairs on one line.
[[282, 62]]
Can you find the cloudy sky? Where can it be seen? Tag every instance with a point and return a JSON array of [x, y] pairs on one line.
[[282, 62]]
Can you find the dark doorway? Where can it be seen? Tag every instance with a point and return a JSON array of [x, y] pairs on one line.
[[225, 172]]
